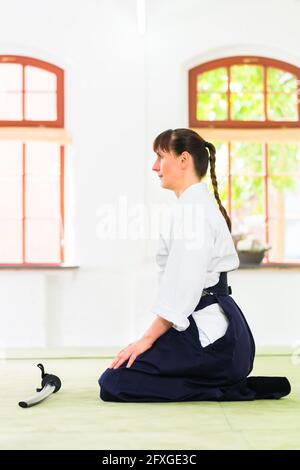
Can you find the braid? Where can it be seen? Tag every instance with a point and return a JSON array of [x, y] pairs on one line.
[[212, 161]]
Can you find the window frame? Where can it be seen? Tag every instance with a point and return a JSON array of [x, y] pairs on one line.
[[59, 123], [22, 60], [243, 126], [238, 60]]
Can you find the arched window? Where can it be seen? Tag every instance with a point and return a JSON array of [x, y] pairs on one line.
[[250, 107], [31, 92], [31, 162], [244, 92]]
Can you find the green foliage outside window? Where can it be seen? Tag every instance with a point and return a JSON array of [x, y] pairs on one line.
[[251, 161], [248, 170], [247, 94]]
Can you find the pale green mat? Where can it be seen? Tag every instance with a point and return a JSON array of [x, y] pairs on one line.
[[75, 418]]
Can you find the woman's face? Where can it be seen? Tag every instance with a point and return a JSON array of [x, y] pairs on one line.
[[168, 168]]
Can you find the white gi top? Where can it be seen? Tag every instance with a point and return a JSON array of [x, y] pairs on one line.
[[194, 247]]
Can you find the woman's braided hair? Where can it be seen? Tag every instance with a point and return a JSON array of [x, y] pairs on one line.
[[202, 152]]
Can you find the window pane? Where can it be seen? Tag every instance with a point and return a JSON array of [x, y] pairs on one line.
[[10, 197], [10, 77], [284, 197], [211, 106], [43, 240], [10, 158], [280, 80], [284, 158], [10, 241], [221, 159], [37, 79], [42, 197], [282, 107], [246, 158], [40, 106], [221, 173], [10, 106], [292, 237], [42, 158], [284, 213], [42, 180], [213, 80], [222, 189], [247, 106], [284, 236], [11, 211], [247, 199], [246, 78]]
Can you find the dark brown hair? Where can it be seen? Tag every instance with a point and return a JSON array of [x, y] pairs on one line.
[[180, 140]]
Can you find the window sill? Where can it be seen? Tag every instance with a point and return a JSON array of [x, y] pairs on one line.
[[39, 266], [270, 266]]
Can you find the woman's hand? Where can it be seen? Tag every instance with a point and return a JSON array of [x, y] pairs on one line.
[[131, 352]]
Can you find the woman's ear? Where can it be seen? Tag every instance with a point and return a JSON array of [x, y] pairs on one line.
[[185, 158]]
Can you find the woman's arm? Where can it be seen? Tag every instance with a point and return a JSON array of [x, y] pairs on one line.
[[158, 328]]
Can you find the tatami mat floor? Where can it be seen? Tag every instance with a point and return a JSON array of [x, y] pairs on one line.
[[75, 418]]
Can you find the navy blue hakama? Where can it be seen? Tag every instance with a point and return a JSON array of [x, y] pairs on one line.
[[178, 368]]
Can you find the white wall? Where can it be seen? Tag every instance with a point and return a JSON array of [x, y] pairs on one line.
[[122, 88], [104, 308]]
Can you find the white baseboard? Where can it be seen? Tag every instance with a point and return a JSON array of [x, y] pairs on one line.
[[59, 353], [106, 352]]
